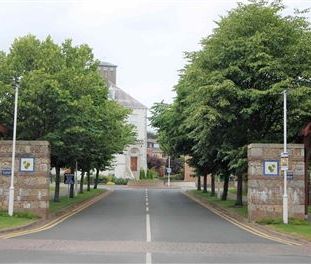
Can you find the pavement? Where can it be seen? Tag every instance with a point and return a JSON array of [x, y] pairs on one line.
[[148, 226]]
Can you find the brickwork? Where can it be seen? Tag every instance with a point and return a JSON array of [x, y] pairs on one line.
[[31, 188], [189, 173], [265, 193]]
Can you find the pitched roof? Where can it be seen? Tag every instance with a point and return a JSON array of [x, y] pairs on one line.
[[125, 99], [107, 64]]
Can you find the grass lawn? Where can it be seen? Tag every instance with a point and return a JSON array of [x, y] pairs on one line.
[[66, 202], [301, 230], [63, 190], [228, 204], [18, 219], [234, 191]]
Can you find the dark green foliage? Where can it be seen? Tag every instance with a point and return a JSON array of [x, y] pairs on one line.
[[152, 174], [149, 175], [62, 99], [228, 94]]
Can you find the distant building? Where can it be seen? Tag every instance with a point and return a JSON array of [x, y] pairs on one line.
[[156, 158], [189, 172], [153, 149], [134, 157]]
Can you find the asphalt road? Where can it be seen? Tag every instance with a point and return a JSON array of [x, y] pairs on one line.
[[147, 226]]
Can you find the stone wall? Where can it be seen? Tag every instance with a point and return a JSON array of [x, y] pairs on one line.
[[31, 184], [265, 192]]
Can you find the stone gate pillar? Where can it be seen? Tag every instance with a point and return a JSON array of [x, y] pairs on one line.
[[265, 181], [31, 176]]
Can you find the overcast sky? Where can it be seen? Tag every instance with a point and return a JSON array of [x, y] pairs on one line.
[[145, 38]]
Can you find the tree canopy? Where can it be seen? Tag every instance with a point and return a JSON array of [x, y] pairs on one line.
[[229, 93], [62, 99]]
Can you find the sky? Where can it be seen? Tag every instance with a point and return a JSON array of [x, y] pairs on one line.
[[146, 39]]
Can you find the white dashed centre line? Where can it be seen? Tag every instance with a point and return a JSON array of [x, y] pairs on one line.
[[148, 228]]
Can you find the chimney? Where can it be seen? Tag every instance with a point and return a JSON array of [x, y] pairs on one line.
[[108, 72]]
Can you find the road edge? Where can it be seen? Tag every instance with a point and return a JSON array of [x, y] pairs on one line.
[[53, 220], [244, 224]]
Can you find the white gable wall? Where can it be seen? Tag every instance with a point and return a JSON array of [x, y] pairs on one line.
[[138, 117], [122, 162]]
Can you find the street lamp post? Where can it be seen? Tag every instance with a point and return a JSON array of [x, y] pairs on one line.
[[76, 179], [284, 155], [11, 190], [169, 172]]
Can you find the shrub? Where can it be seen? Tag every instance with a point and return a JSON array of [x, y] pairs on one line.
[[142, 174], [121, 181], [154, 173], [149, 174]]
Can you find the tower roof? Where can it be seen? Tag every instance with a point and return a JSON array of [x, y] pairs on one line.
[[125, 99], [107, 64]]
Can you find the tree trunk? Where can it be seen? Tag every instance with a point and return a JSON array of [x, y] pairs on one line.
[[213, 185], [225, 190], [205, 183], [71, 191], [96, 178], [239, 193], [57, 183], [88, 181], [82, 181], [199, 183]]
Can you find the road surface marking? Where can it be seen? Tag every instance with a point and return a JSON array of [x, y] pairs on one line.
[[148, 229], [148, 258]]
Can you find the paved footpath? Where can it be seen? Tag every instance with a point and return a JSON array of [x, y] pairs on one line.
[[147, 226]]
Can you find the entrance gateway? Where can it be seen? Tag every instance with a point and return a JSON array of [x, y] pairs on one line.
[[265, 181], [31, 176]]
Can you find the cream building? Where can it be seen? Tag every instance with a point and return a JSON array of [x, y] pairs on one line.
[[134, 157]]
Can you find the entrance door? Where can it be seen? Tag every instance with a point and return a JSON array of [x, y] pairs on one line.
[[133, 163]]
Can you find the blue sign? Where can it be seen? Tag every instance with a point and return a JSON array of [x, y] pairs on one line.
[[69, 178], [6, 172], [290, 175]]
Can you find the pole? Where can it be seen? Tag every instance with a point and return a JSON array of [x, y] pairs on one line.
[[218, 187], [76, 179], [285, 197], [11, 190], [169, 172]]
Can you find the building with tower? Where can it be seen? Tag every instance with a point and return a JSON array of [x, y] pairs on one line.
[[134, 157]]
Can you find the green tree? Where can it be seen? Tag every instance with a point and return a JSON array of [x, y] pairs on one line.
[[63, 99], [228, 95]]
